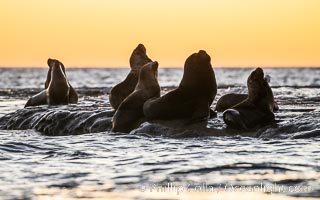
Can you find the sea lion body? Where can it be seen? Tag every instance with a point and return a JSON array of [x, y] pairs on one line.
[[257, 109], [38, 99], [245, 118], [193, 97], [119, 92], [130, 110], [229, 100], [73, 95], [58, 88]]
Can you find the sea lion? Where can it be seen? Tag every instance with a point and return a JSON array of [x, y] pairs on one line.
[[192, 99], [38, 99], [57, 89], [229, 100], [130, 110], [119, 92], [257, 109], [73, 95]]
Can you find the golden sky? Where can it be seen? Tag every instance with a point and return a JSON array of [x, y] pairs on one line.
[[103, 33]]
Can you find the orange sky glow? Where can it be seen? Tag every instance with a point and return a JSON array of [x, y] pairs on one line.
[[98, 33]]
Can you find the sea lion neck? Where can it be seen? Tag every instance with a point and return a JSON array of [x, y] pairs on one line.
[[57, 72], [148, 76]]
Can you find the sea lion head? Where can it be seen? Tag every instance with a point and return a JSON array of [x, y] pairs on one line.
[[259, 89], [197, 65], [52, 62], [198, 74], [198, 61], [149, 73], [55, 64], [139, 57], [256, 81]]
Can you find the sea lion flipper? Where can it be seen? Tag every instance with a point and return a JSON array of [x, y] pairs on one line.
[[275, 106], [213, 113], [38, 99], [201, 112], [73, 95], [233, 118]]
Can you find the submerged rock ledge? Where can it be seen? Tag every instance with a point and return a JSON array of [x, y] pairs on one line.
[[298, 117], [63, 120], [81, 119]]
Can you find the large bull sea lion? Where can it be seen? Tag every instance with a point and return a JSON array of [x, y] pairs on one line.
[[192, 99]]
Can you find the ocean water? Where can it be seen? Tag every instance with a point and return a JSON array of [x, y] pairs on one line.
[[164, 162]]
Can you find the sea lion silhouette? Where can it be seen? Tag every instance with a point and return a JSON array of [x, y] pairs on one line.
[[193, 97], [73, 95], [229, 100], [119, 92], [257, 109], [57, 88], [130, 110]]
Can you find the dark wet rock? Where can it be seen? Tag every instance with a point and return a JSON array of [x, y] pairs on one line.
[[305, 125], [93, 118], [28, 92], [179, 129], [298, 118], [64, 120]]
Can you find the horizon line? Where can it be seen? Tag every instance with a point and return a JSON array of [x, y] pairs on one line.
[[165, 67]]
